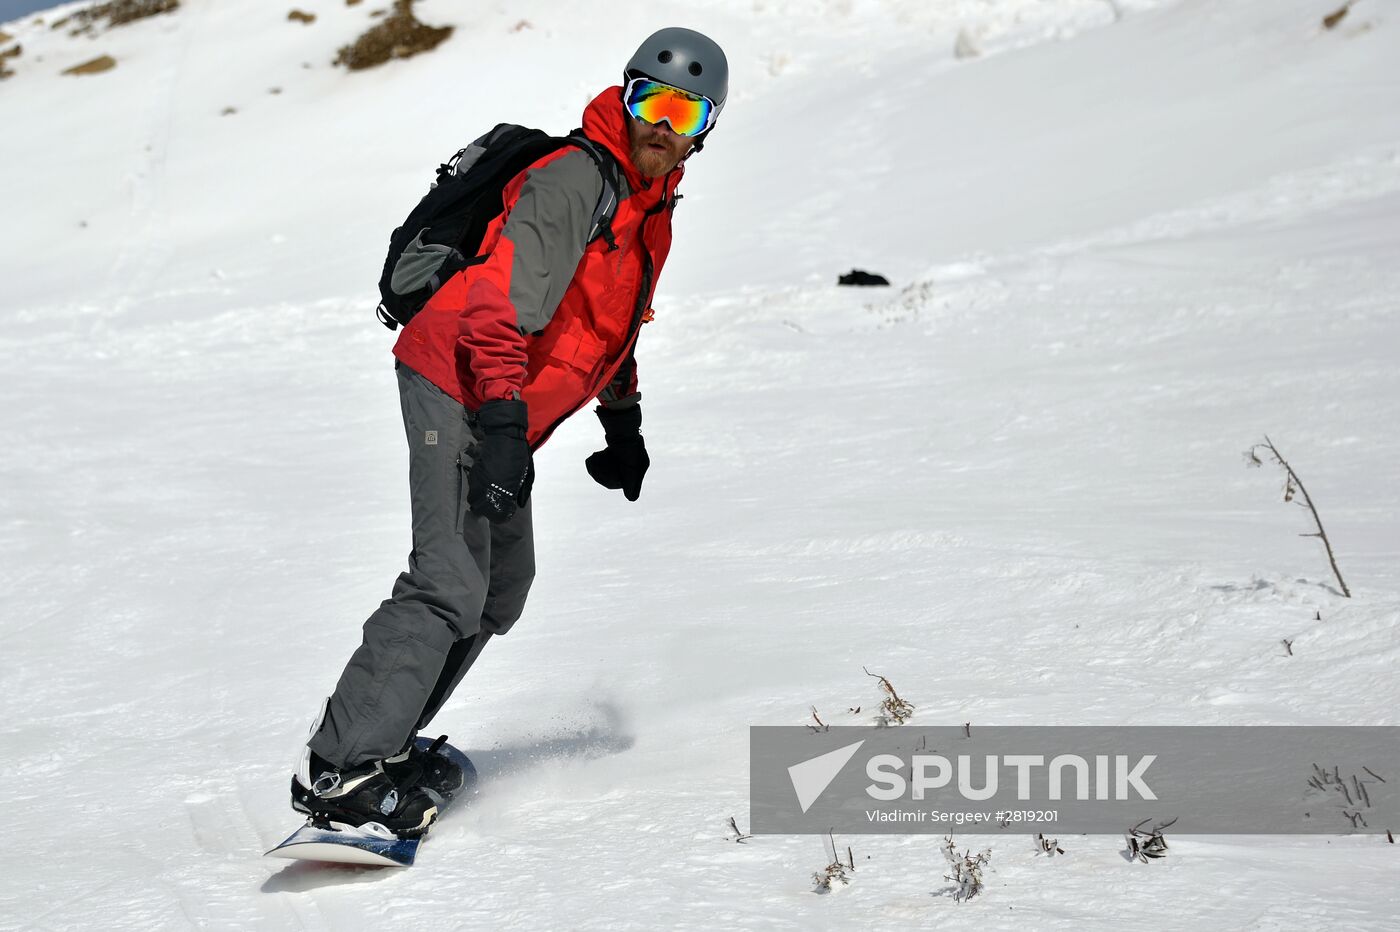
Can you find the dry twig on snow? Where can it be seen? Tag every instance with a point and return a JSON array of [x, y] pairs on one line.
[[1293, 486], [837, 872], [892, 708], [1147, 843], [966, 873]]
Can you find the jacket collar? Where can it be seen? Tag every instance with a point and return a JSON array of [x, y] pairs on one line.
[[604, 121]]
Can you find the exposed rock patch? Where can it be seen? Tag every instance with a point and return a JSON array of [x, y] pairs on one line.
[[116, 13], [8, 53], [400, 35], [96, 66]]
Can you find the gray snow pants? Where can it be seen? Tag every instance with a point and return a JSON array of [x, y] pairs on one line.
[[466, 581]]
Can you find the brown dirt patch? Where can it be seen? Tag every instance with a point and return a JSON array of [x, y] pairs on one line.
[[301, 16], [96, 66], [116, 13], [400, 35], [8, 53], [1331, 20]]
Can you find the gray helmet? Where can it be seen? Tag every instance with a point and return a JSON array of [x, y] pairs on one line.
[[685, 59]]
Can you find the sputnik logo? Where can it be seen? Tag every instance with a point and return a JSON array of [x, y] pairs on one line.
[[811, 777]]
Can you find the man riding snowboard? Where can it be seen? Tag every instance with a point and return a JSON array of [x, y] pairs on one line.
[[500, 355]]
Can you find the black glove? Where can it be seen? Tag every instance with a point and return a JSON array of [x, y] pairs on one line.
[[503, 471], [623, 464]]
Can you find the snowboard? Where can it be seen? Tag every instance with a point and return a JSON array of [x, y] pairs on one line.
[[371, 843]]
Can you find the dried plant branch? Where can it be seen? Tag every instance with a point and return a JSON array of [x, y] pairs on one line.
[[1147, 843], [837, 872], [1293, 485], [894, 709], [966, 874], [1357, 797]]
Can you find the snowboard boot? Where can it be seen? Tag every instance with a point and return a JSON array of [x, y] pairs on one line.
[[357, 795], [425, 768]]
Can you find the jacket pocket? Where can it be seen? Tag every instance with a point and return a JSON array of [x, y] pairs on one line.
[[577, 348]]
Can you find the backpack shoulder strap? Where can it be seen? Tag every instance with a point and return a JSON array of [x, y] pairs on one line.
[[601, 224]]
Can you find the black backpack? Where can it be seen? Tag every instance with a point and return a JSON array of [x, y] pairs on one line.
[[442, 234]]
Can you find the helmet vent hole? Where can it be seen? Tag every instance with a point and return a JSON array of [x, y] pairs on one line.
[[664, 56], [695, 68]]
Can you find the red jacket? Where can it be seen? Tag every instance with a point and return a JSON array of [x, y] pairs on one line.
[[543, 315]]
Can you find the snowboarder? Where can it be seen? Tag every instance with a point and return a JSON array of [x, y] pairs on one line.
[[500, 355]]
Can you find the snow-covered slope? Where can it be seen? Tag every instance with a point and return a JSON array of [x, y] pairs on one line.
[[1125, 245]]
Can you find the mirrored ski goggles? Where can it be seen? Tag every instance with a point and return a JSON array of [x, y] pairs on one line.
[[651, 102]]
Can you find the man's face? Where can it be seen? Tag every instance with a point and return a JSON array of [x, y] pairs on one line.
[[655, 148]]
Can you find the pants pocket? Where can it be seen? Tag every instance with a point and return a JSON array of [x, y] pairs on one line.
[[466, 456]]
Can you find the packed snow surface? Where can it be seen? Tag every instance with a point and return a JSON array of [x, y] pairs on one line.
[[1126, 239]]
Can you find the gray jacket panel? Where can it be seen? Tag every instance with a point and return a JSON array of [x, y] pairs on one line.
[[549, 227]]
